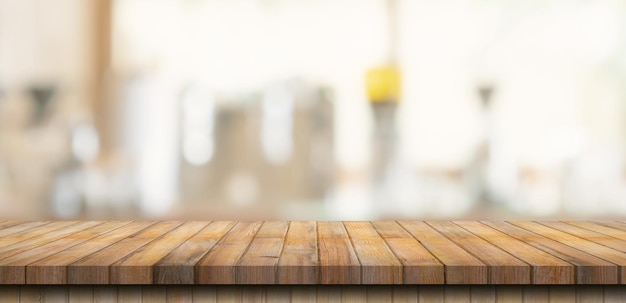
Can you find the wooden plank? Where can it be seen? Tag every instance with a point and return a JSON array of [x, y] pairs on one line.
[[590, 269], [298, 263], [420, 266], [614, 294], [339, 263], [277, 294], [21, 228], [35, 237], [608, 254], [13, 268], [599, 228], [53, 269], [136, 268], [612, 224], [258, 264], [218, 266], [503, 268], [30, 293], [178, 266], [9, 223], [460, 266], [94, 269], [546, 269], [55, 294], [590, 235], [562, 294], [378, 264]]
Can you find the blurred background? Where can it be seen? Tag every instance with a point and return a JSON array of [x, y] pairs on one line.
[[312, 109]]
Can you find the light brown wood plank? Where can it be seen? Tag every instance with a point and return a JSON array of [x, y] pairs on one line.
[[94, 269], [30, 293], [378, 264], [608, 254], [612, 224], [35, 237], [599, 228], [20, 228], [218, 266], [587, 234], [178, 294], [258, 264], [420, 266], [298, 263], [546, 269], [339, 263], [590, 269], [503, 268], [13, 268], [136, 268], [53, 269], [178, 266], [460, 266], [9, 223]]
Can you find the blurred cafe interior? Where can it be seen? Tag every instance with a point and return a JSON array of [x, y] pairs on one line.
[[312, 109]]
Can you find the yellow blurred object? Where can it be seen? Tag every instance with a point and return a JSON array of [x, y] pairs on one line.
[[383, 84]]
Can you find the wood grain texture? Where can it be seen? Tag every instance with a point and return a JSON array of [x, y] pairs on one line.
[[546, 269], [177, 266], [609, 254], [218, 266], [378, 263], [298, 263], [420, 266], [460, 266], [339, 263], [94, 269], [304, 253], [136, 268], [589, 268]]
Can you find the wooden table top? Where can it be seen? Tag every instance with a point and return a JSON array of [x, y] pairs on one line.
[[308, 252]]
